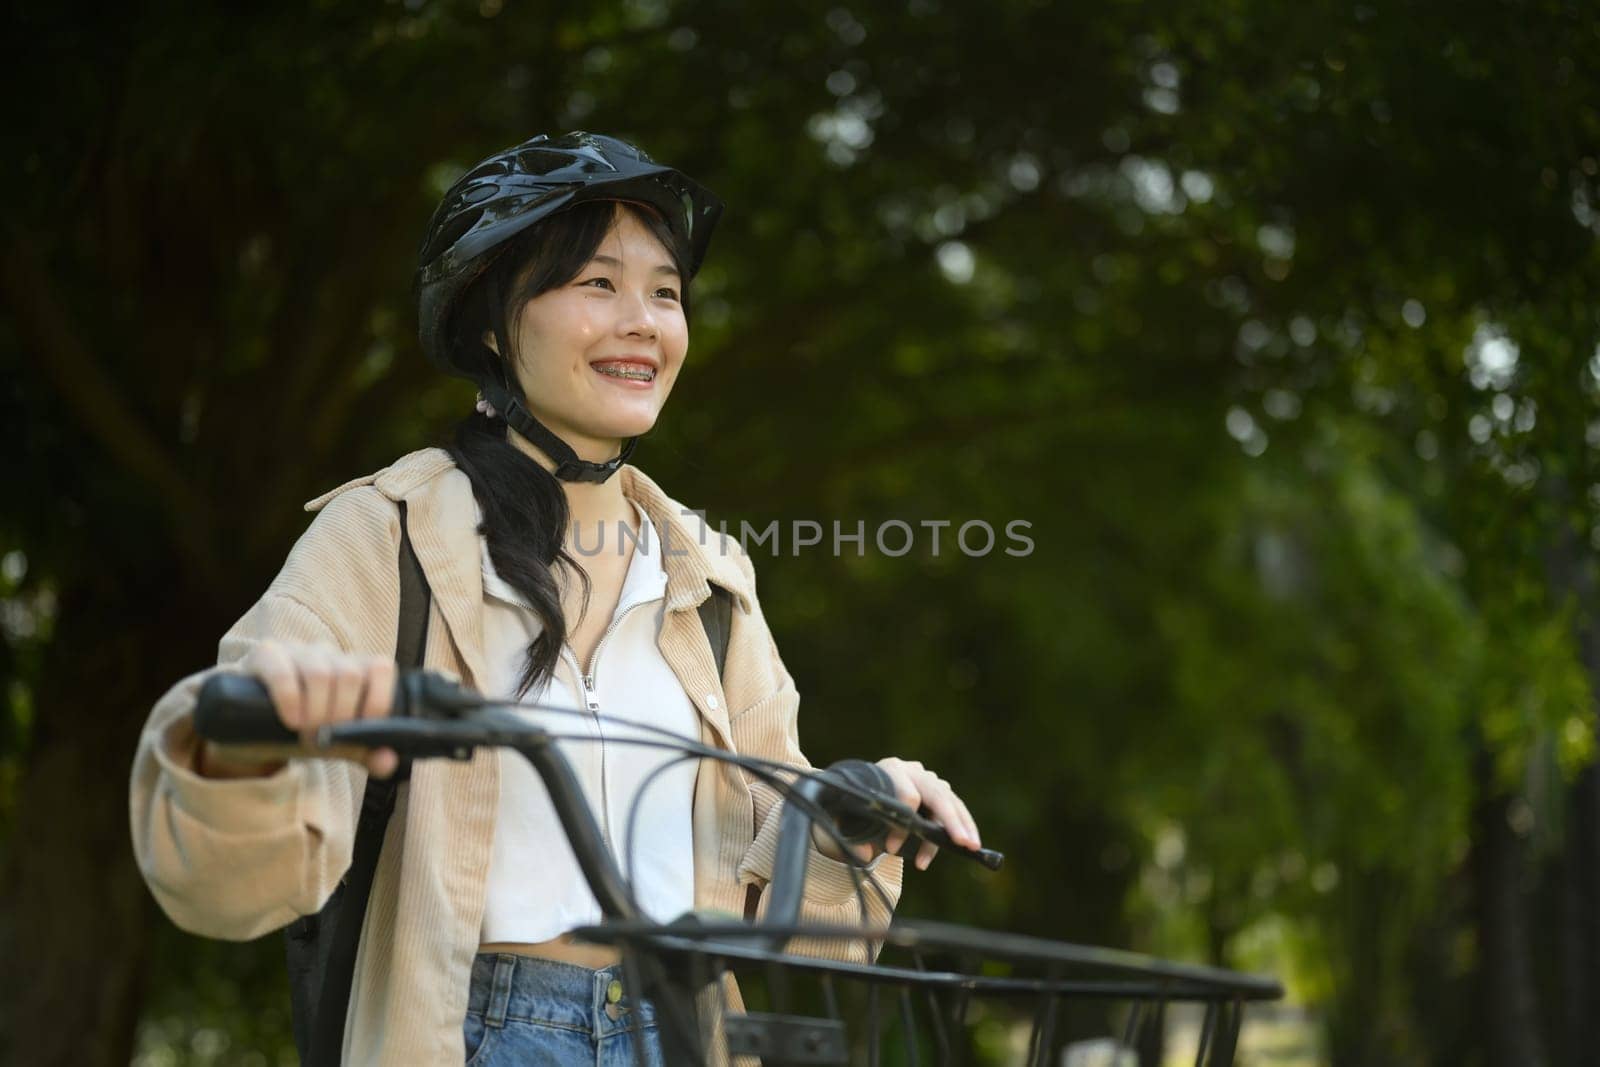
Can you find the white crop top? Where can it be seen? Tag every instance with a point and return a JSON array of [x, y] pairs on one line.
[[535, 890]]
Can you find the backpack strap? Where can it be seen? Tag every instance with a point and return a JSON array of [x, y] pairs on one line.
[[377, 805], [716, 615], [415, 595]]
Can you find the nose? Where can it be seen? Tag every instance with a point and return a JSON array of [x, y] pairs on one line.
[[636, 319]]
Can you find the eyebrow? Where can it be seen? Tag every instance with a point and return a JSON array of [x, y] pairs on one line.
[[613, 261]]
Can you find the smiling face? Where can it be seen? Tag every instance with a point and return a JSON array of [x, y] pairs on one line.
[[598, 355]]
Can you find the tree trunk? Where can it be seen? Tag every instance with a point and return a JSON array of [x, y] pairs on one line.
[[1509, 1007], [75, 915], [1579, 930], [1570, 571]]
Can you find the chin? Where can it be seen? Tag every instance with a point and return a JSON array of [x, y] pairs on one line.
[[621, 429]]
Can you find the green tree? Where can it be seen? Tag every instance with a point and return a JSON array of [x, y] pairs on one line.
[[1270, 320]]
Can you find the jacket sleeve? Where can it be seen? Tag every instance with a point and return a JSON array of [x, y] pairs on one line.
[[770, 728], [237, 858]]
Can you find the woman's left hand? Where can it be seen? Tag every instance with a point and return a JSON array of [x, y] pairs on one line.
[[916, 787]]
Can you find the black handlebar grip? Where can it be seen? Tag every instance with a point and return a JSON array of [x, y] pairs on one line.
[[855, 822], [235, 709]]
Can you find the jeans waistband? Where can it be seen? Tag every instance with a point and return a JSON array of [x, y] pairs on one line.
[[505, 985]]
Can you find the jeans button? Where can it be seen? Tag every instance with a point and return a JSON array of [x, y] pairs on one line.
[[614, 1006]]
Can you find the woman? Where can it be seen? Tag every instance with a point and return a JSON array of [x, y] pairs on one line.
[[553, 275]]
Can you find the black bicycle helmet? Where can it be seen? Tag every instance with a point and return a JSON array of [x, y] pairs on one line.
[[504, 195]]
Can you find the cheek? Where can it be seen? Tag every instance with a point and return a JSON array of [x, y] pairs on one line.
[[555, 334], [675, 341], [577, 322]]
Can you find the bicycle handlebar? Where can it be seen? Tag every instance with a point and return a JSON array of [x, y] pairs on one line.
[[431, 716], [852, 802]]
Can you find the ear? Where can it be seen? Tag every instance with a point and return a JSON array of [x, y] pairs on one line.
[[488, 339]]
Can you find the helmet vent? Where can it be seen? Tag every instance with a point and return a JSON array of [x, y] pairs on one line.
[[541, 161], [498, 168], [451, 232]]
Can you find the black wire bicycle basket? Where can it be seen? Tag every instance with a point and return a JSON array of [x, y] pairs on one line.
[[918, 1001], [783, 991]]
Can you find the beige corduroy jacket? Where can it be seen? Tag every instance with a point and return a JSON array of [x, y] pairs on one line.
[[236, 859]]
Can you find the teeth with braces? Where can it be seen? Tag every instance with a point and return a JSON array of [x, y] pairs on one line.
[[642, 375]]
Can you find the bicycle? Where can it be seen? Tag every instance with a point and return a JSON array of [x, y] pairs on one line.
[[682, 965]]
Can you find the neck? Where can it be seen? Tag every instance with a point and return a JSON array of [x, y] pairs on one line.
[[588, 503]]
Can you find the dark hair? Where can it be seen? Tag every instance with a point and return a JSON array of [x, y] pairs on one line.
[[525, 512]]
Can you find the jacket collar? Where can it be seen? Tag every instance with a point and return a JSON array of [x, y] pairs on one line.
[[694, 554], [441, 513], [644, 580]]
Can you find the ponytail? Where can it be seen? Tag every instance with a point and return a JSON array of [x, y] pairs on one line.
[[525, 517]]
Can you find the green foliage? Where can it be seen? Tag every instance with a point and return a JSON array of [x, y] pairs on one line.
[[1274, 323], [27, 617], [217, 1004]]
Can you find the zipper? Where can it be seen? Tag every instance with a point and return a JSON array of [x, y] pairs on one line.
[[594, 658], [591, 701]]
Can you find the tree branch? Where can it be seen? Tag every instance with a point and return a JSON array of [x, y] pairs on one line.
[[88, 393]]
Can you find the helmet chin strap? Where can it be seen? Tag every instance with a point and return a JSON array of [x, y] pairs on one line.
[[569, 467]]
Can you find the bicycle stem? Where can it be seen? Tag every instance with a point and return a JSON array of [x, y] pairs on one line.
[[789, 868]]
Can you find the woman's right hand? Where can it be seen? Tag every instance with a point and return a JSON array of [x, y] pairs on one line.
[[313, 686]]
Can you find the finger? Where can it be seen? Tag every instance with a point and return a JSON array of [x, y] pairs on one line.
[[941, 804], [272, 667], [382, 762], [349, 676], [377, 694], [905, 776], [906, 792], [972, 824], [925, 855], [316, 688], [956, 819], [894, 837]]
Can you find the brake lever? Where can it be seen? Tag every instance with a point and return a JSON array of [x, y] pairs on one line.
[[921, 828]]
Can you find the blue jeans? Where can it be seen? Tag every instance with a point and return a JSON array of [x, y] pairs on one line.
[[540, 1013]]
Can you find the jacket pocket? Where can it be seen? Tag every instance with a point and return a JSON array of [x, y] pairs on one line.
[[768, 727]]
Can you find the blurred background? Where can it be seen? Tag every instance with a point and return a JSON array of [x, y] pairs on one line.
[[1275, 321]]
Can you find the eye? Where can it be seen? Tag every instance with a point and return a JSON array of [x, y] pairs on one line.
[[603, 280], [668, 292]]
